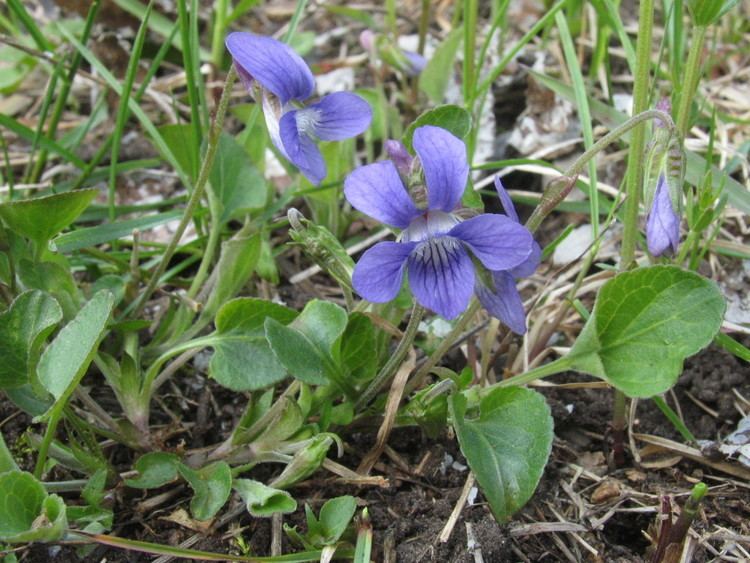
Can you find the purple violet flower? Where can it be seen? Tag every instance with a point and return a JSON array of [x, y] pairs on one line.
[[663, 224], [435, 246], [281, 81]]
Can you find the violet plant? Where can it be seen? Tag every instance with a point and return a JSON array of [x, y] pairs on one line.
[[306, 375], [281, 81]]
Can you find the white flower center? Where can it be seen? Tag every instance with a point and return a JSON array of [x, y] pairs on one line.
[[307, 121], [429, 225]]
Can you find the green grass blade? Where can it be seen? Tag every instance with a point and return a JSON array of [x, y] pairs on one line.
[[739, 195], [93, 236], [731, 345], [28, 135], [28, 22], [113, 83], [510, 55], [674, 419], [584, 114], [160, 24], [123, 109]]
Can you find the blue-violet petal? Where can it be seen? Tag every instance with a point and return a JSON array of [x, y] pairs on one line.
[[273, 64], [441, 276], [340, 116], [443, 158], [499, 242], [378, 274], [376, 190]]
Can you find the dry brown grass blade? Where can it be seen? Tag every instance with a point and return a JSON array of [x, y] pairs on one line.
[[391, 409], [695, 455]]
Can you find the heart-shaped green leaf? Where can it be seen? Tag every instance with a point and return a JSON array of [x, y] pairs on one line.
[[243, 360], [155, 469], [507, 445], [211, 488], [644, 324], [41, 218], [23, 328], [308, 347], [263, 501], [27, 512]]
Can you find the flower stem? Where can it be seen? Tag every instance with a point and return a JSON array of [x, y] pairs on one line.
[[424, 23], [195, 195], [557, 366], [690, 81], [445, 345], [395, 360], [635, 157], [471, 9], [633, 190]]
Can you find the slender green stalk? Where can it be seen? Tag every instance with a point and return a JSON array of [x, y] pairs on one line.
[[637, 143], [49, 95], [28, 22], [674, 419], [691, 78], [395, 360], [471, 9], [633, 182], [390, 19], [584, 114], [214, 236], [49, 434], [123, 110], [299, 11], [191, 77], [196, 194], [221, 8], [559, 365], [65, 90], [511, 54], [424, 23], [616, 133], [445, 345], [8, 168], [155, 64]]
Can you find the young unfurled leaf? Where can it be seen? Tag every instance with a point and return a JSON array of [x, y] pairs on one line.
[[41, 218], [644, 324], [211, 488], [308, 347], [27, 512], [335, 516], [239, 255], [242, 359], [66, 359], [23, 328], [155, 469], [507, 445], [263, 501], [434, 79], [305, 462]]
